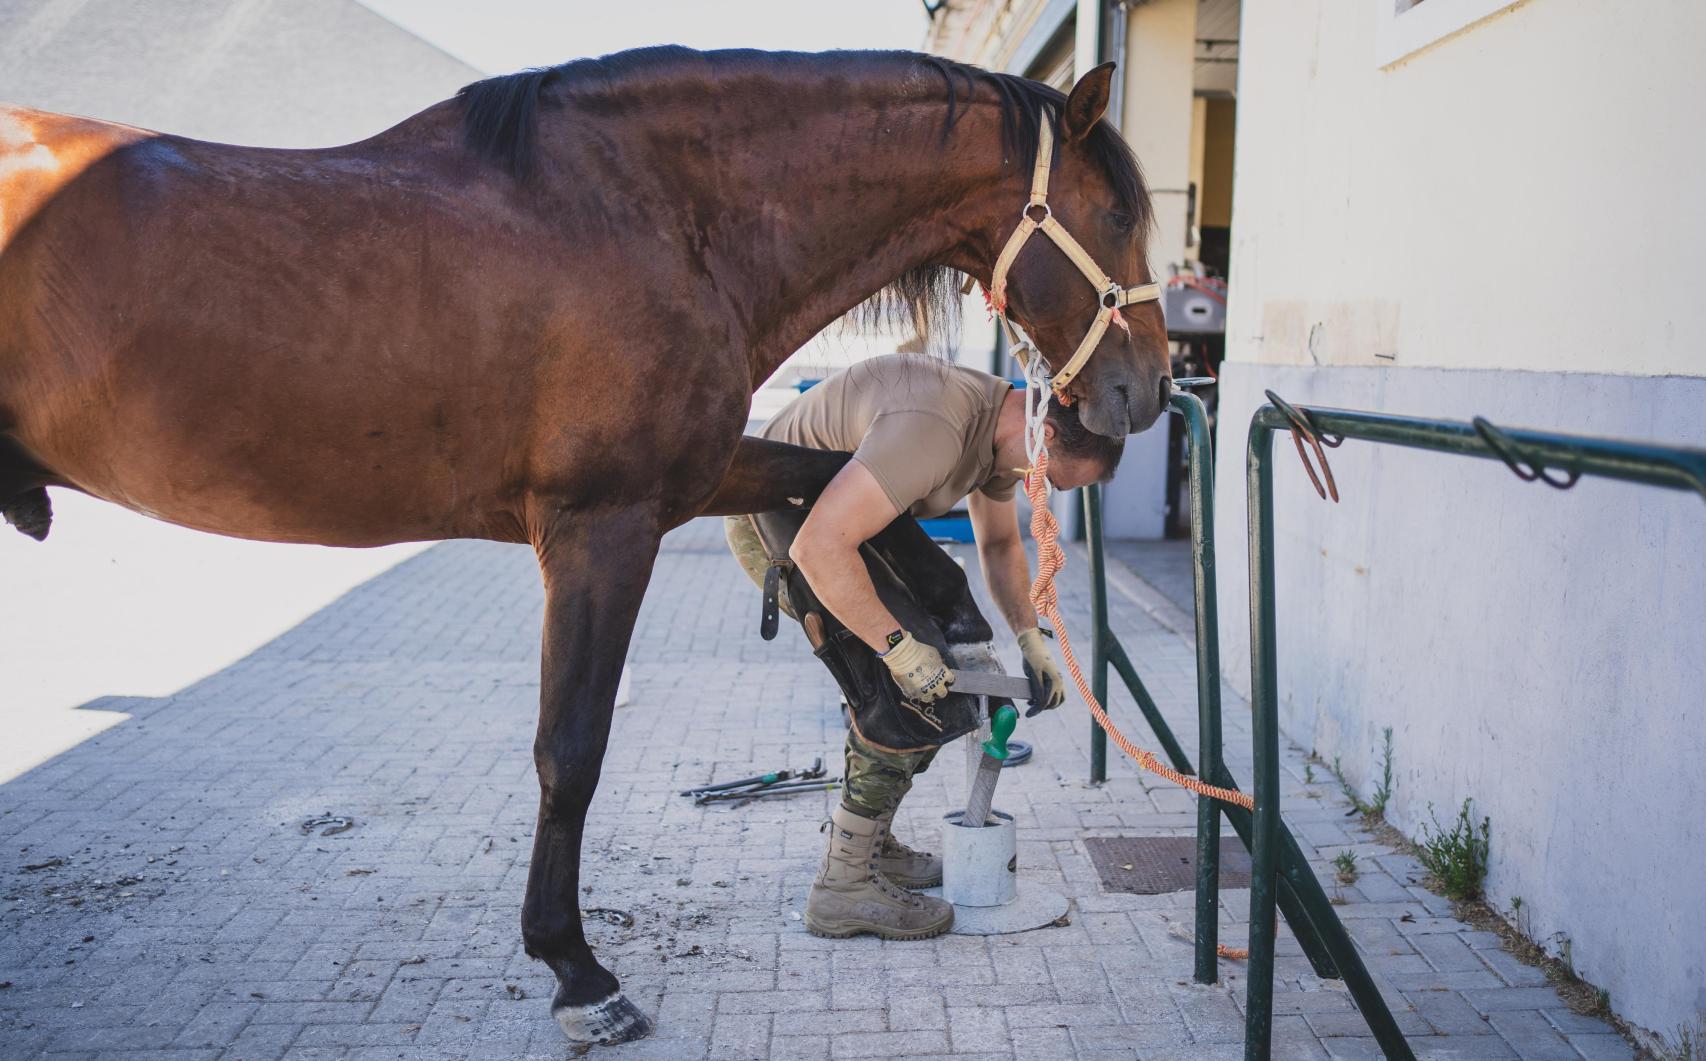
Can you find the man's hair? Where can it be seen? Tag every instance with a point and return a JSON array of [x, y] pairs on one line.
[[1073, 439]]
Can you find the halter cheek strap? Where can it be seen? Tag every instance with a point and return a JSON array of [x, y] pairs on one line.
[[1113, 297]]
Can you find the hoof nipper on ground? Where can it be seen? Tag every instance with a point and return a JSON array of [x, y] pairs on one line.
[[607, 1021]]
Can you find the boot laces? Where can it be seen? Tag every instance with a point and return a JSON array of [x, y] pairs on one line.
[[885, 838], [890, 888], [893, 848]]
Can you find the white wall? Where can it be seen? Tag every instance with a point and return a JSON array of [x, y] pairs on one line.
[[1505, 223], [1525, 194], [113, 603]]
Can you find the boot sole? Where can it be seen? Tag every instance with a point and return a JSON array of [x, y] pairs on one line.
[[849, 929]]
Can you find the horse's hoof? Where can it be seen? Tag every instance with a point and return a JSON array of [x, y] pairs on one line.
[[610, 1020]]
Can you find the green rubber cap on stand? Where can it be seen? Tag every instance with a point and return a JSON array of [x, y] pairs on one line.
[[1000, 728]]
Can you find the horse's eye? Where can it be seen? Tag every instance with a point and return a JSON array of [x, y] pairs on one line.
[[1122, 222]]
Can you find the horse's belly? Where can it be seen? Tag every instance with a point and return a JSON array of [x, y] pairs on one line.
[[278, 471]]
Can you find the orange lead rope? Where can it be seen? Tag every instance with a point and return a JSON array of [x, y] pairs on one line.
[[1050, 560]]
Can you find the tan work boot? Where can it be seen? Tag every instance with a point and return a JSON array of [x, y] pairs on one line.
[[904, 866], [850, 896], [900, 863]]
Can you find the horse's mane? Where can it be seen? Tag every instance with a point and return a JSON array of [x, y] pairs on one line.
[[500, 114]]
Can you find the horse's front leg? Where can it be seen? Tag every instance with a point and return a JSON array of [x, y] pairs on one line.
[[596, 568]]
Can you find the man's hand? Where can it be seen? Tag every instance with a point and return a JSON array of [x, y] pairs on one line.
[[918, 669], [1040, 668]]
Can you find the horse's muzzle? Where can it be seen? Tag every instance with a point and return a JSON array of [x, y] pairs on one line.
[[1127, 408]]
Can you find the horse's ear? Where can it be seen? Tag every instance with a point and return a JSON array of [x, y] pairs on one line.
[[1088, 100]]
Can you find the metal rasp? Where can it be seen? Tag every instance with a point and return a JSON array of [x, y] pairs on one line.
[[989, 767], [991, 683]]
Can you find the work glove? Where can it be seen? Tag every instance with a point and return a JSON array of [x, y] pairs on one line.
[[1041, 669], [918, 669]]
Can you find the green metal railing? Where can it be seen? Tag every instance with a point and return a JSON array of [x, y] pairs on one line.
[[1301, 899], [1557, 459]]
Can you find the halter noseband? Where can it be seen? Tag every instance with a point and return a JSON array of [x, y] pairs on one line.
[[1113, 297]]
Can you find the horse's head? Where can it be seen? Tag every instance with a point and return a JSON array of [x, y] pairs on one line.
[[1077, 277]]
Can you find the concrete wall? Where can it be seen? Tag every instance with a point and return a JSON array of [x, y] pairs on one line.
[[113, 603], [1505, 222]]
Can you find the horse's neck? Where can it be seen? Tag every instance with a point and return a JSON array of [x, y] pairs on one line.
[[804, 214]]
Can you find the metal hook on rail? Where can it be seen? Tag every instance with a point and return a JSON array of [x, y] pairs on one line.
[[1525, 467], [1301, 428]]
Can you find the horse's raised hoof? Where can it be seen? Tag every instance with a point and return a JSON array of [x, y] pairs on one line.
[[610, 1020]]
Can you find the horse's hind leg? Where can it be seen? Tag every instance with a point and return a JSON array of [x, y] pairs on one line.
[[596, 569], [934, 579], [766, 476]]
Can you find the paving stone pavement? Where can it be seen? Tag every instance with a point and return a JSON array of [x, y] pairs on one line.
[[159, 896]]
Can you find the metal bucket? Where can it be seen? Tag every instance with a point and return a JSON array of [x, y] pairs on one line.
[[980, 867]]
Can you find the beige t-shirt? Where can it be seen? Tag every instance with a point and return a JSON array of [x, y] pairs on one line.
[[923, 427]]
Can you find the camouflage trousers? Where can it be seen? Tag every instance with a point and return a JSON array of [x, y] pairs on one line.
[[875, 780]]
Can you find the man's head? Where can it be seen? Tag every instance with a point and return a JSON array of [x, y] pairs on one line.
[[1076, 455]]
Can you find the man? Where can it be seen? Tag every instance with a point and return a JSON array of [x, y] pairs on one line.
[[924, 435]]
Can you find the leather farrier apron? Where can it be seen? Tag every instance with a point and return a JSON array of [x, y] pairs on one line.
[[882, 716]]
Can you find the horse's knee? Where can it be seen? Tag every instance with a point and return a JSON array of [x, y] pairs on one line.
[[566, 780]]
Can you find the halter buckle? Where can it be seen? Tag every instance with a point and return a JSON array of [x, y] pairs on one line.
[[1025, 214], [1112, 294]]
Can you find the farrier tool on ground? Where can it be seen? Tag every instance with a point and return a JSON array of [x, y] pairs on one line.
[[760, 781], [741, 795]]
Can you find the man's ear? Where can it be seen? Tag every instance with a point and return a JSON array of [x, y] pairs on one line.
[[1087, 102], [1048, 431]]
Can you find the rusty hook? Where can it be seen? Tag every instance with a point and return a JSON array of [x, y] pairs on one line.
[[1301, 428], [1526, 469]]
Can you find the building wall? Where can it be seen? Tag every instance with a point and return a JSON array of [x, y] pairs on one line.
[[1505, 223], [114, 603]]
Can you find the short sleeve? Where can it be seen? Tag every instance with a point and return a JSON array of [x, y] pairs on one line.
[[999, 488], [911, 454]]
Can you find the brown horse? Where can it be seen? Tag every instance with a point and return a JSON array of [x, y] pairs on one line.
[[533, 313]]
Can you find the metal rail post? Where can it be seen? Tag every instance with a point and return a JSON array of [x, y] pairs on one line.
[[1201, 454], [1264, 709], [1100, 634]]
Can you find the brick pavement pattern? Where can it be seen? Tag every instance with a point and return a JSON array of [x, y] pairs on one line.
[[160, 898]]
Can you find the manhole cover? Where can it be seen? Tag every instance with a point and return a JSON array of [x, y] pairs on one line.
[[1151, 865]]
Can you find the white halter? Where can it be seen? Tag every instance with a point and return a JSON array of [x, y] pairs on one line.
[[1113, 296]]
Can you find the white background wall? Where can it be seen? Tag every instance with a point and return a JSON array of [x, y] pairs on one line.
[[114, 603], [1506, 222]]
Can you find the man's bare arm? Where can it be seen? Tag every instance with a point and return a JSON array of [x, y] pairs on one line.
[[1008, 574], [851, 509], [1001, 552]]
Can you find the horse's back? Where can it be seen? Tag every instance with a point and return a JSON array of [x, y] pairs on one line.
[[41, 153], [348, 345]]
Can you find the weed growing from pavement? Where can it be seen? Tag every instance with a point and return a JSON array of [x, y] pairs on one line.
[[1383, 792], [1346, 862], [1374, 808], [1456, 857], [1689, 1044]]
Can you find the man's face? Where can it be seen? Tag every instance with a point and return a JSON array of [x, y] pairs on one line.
[[1067, 473]]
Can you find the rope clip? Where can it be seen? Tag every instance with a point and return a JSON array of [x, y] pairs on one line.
[[1522, 465]]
